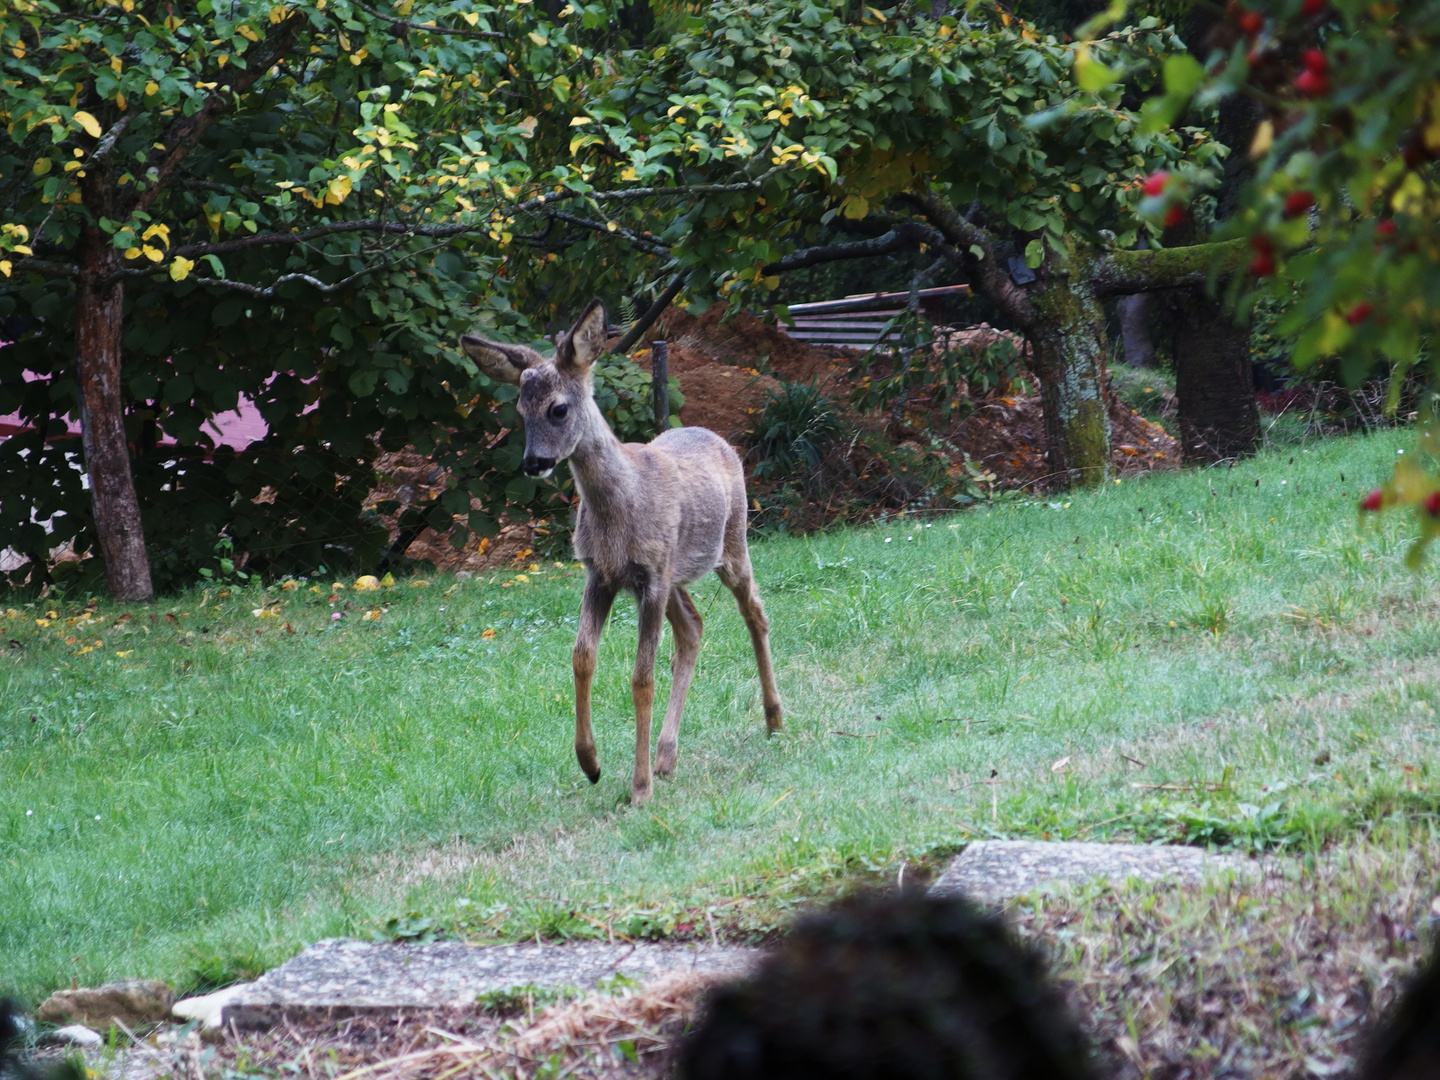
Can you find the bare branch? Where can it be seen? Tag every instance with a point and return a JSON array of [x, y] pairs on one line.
[[905, 236], [648, 244], [653, 312], [984, 270], [107, 142], [47, 267]]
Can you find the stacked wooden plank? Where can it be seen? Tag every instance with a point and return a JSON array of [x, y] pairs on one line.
[[859, 321]]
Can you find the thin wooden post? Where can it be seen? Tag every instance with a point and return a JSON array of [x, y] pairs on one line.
[[660, 385]]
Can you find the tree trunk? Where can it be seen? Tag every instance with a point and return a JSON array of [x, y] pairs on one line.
[[1214, 385], [99, 322], [1135, 330], [1069, 362]]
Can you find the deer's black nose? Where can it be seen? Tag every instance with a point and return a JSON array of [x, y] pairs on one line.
[[538, 466]]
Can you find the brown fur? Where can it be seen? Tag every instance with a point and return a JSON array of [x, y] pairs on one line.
[[651, 519]]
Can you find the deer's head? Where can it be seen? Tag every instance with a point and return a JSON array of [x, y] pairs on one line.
[[556, 395]]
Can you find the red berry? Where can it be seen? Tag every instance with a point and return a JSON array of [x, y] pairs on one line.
[[1315, 60], [1252, 22], [1311, 8], [1385, 228], [1373, 500], [1155, 182], [1359, 313], [1263, 265], [1297, 202], [1174, 216], [1311, 84], [1432, 503]]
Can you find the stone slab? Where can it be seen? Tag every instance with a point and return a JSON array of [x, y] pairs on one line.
[[995, 871], [339, 977]]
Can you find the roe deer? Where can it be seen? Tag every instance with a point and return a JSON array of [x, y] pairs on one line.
[[651, 519]]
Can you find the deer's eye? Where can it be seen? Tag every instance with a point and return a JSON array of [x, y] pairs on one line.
[[558, 411]]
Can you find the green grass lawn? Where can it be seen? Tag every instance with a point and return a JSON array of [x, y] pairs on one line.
[[195, 792]]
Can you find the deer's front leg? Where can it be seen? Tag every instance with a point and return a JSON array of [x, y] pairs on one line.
[[594, 610], [651, 603]]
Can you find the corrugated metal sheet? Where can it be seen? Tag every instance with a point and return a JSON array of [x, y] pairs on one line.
[[859, 321]]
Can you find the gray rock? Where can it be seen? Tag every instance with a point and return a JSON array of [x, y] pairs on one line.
[[75, 1035], [463, 575], [338, 978], [994, 871], [131, 1001]]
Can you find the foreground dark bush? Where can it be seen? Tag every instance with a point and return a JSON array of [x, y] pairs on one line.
[[886, 985]]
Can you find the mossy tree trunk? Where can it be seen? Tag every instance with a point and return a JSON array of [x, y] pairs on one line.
[[1061, 312], [1068, 337]]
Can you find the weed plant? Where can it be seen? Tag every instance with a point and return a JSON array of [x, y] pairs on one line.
[[195, 789]]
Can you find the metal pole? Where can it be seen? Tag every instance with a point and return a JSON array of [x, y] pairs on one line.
[[660, 385]]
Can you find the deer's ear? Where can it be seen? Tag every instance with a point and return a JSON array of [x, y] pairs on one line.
[[585, 341], [500, 361]]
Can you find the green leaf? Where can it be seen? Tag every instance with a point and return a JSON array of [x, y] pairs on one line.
[[1034, 253]]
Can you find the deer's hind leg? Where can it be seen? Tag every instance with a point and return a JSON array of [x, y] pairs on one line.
[[737, 576], [594, 610], [651, 602], [687, 626]]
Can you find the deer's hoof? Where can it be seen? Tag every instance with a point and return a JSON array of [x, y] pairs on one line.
[[589, 764], [665, 760], [639, 795], [774, 718]]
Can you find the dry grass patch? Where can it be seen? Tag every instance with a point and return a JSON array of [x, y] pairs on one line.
[[1275, 978]]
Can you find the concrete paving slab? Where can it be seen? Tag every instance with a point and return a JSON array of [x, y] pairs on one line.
[[995, 871], [337, 977]]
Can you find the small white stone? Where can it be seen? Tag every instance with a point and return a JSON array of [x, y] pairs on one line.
[[76, 1035], [209, 1008]]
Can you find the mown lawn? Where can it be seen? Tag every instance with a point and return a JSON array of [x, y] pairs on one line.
[[195, 792]]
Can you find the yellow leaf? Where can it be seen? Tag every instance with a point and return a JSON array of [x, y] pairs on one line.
[[856, 206], [5, 267], [388, 579], [180, 268], [116, 64], [22, 249], [41, 166], [581, 121], [213, 220], [88, 122], [247, 33], [538, 39], [153, 254], [527, 126], [420, 584], [772, 282], [470, 17], [152, 88], [162, 231], [1264, 138], [629, 174], [367, 583], [132, 253], [122, 102], [338, 189], [277, 13], [488, 635], [610, 226]]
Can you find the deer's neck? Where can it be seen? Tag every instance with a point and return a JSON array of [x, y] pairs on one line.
[[607, 478]]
